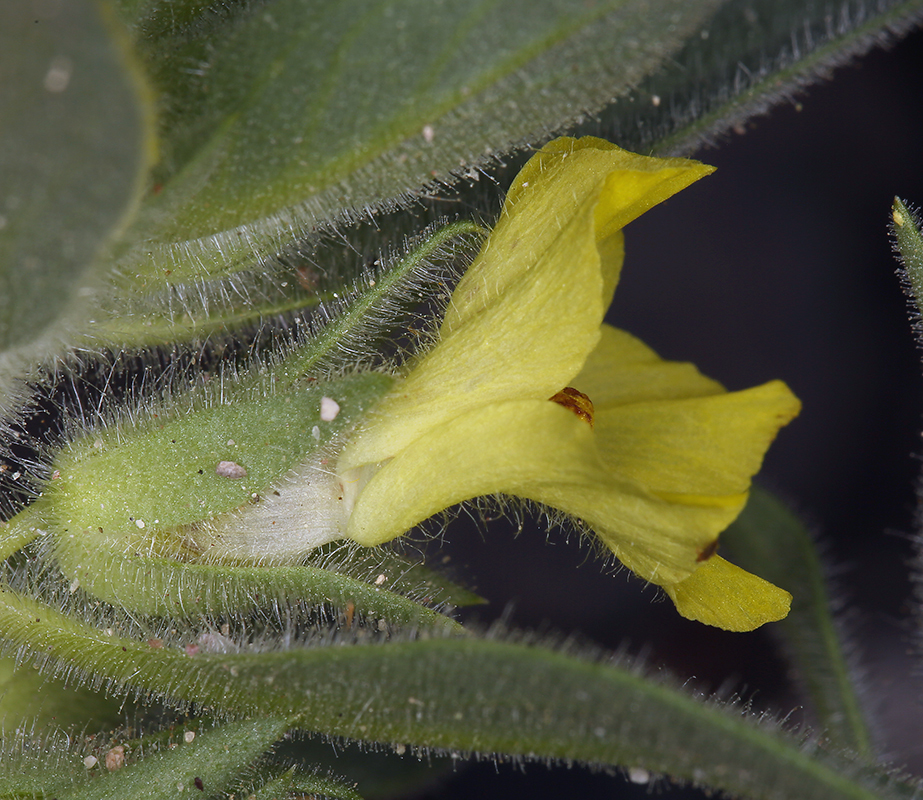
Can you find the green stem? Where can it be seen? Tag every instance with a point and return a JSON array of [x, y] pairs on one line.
[[907, 233]]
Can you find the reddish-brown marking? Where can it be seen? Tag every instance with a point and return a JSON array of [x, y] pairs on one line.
[[707, 552], [575, 401]]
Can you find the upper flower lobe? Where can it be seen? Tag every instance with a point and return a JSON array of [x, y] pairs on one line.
[[667, 463]]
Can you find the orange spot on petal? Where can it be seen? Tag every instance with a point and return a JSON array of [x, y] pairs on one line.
[[575, 401]]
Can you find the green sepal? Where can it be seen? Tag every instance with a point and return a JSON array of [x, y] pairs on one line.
[[22, 529], [158, 471], [161, 472], [127, 499], [167, 588]]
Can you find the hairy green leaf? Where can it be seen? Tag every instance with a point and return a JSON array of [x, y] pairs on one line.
[[205, 766], [769, 540], [315, 111], [38, 765], [746, 59], [472, 695], [283, 116], [314, 786], [28, 699]]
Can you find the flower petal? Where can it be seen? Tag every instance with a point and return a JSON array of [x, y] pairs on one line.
[[622, 369], [526, 315], [539, 451], [549, 189], [699, 450], [723, 595]]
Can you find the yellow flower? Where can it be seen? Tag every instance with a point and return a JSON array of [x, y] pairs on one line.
[[657, 462]]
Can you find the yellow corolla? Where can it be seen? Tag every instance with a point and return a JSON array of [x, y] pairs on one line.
[[527, 393]]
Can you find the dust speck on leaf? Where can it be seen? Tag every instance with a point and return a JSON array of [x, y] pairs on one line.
[[639, 775], [329, 408], [230, 469], [115, 758]]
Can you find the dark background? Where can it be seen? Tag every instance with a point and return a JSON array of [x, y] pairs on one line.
[[777, 266]]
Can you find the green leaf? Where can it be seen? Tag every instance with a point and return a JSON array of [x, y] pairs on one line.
[[313, 786], [317, 111], [468, 695], [254, 102], [283, 116], [274, 118], [76, 143], [770, 541], [109, 765], [206, 766], [376, 592], [748, 58], [279, 117], [29, 699], [37, 765]]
